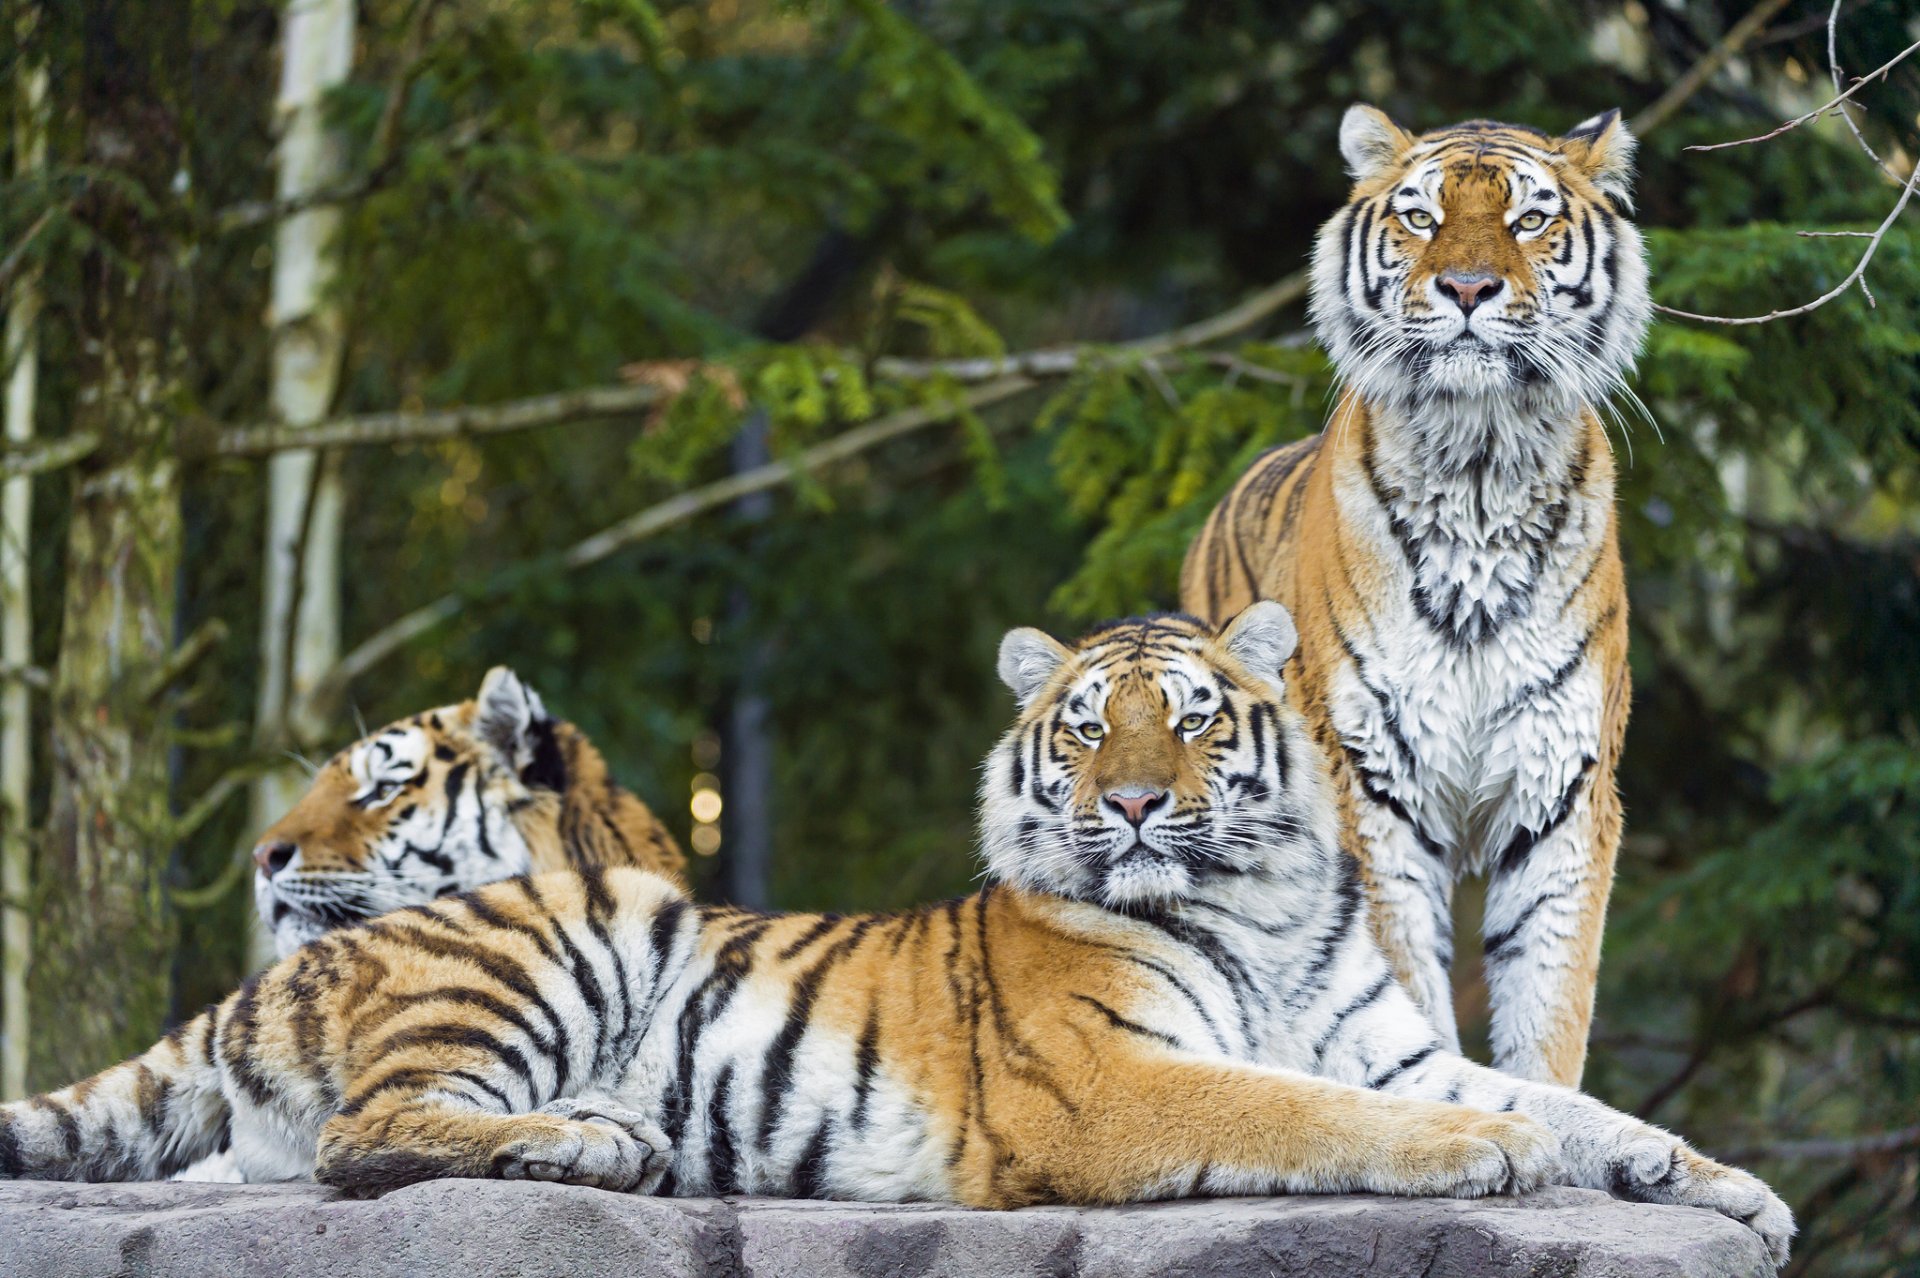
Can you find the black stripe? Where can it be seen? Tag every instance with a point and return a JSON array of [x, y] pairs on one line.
[[495, 965], [1360, 1004], [467, 1036], [776, 1074], [1524, 841], [810, 1174], [240, 1028], [1120, 1022], [865, 1062], [587, 986], [722, 1175], [486, 913], [702, 1008], [1406, 1063], [1495, 945], [474, 1080], [11, 1162]]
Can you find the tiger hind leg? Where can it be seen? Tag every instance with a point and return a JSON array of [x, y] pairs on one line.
[[574, 1141]]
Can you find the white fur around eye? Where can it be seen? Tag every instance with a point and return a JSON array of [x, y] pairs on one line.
[[387, 761]]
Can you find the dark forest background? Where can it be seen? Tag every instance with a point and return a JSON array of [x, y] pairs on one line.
[[779, 221]]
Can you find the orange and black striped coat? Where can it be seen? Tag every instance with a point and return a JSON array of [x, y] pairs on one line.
[[1448, 548], [1168, 987]]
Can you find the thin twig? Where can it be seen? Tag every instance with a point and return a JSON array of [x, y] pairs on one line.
[[1859, 269], [1817, 112], [1833, 70]]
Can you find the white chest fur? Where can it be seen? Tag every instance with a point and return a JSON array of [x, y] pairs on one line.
[[1467, 702]]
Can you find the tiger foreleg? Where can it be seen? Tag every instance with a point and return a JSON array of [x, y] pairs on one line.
[[436, 1138], [1546, 907], [1172, 1127], [1410, 892]]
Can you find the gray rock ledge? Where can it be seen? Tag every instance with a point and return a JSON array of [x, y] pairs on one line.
[[477, 1229]]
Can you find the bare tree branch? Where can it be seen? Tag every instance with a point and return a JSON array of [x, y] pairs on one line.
[[1833, 105], [41, 457], [1061, 360], [1696, 76], [1875, 237], [444, 423], [1833, 70]]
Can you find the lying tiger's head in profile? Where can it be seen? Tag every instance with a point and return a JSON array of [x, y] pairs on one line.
[[1483, 260], [445, 801], [1151, 758]]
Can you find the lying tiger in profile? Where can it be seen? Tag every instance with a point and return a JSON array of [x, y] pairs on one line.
[[445, 801], [1167, 987]]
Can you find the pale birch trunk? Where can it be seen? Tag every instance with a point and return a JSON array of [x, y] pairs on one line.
[[22, 360], [300, 636]]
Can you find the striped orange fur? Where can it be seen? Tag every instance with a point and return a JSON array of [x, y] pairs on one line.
[[447, 800], [1448, 548], [1167, 987]]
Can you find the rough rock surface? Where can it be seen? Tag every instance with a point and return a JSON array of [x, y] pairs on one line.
[[477, 1229]]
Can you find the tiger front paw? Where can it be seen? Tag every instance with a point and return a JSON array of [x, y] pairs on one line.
[[1656, 1167], [1472, 1154], [597, 1143]]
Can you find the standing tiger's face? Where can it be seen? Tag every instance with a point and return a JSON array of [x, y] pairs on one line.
[[1482, 260], [1151, 757], [443, 802]]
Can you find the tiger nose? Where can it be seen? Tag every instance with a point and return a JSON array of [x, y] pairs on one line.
[[1470, 290], [274, 857], [1134, 803]]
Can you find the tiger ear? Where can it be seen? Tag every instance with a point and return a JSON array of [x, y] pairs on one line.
[[1028, 658], [509, 717], [1370, 142], [1262, 637], [1603, 148]]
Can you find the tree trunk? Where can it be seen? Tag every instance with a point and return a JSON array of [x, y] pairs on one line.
[[97, 991], [748, 757], [22, 360], [300, 614]]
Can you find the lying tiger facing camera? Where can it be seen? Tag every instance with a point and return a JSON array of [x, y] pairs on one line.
[[1167, 987]]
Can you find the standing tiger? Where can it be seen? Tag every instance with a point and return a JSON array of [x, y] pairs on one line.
[[1167, 987], [1448, 546], [444, 801]]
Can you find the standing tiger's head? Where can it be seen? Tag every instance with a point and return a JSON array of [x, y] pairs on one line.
[[445, 801], [1483, 261], [1152, 757]]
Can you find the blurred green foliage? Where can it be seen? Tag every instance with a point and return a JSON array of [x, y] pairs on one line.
[[565, 190]]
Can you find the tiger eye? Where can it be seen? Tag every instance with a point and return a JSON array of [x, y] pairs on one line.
[[1193, 723], [1418, 219], [1532, 222]]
